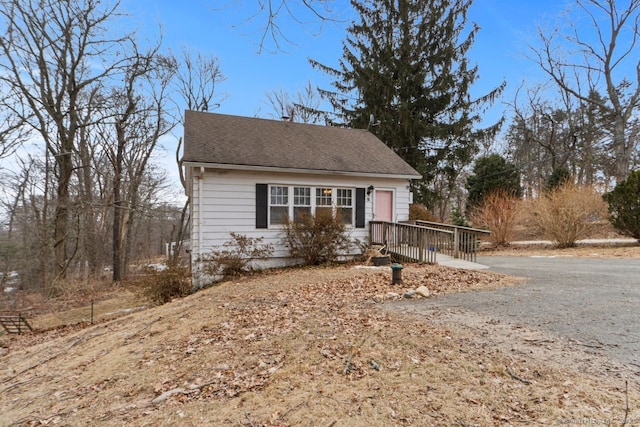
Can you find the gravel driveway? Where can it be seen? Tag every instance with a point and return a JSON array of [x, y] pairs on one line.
[[592, 303]]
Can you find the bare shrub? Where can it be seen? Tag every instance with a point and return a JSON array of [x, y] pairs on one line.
[[418, 212], [498, 213], [162, 285], [568, 213], [317, 239], [235, 257]]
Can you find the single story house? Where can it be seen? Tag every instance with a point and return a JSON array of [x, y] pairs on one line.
[[248, 175]]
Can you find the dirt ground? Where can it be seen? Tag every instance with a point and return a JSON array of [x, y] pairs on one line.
[[307, 346]]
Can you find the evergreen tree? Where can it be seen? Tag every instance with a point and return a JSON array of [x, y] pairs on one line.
[[492, 173], [624, 205], [458, 218], [558, 178], [404, 63]]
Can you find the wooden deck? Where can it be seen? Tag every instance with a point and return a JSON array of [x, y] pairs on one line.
[[422, 241]]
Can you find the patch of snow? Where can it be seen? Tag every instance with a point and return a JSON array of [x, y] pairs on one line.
[[157, 267]]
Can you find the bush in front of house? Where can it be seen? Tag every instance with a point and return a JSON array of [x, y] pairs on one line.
[[498, 213], [161, 285], [235, 256], [568, 213], [317, 239], [624, 206]]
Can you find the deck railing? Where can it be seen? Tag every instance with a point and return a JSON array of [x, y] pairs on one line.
[[466, 240], [408, 242], [421, 241]]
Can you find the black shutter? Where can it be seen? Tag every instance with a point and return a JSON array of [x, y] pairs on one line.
[[262, 205], [360, 201]]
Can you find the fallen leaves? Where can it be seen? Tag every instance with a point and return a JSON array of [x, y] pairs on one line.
[[288, 347], [256, 319]]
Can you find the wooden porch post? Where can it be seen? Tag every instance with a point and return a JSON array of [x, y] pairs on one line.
[[456, 242]]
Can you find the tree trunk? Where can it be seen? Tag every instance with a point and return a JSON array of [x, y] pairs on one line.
[[178, 235], [117, 205], [623, 155], [61, 220], [90, 231], [127, 236]]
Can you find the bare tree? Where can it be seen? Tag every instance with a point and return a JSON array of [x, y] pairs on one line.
[[541, 135], [100, 105], [196, 81], [12, 120], [13, 191], [197, 78], [280, 102], [303, 107], [94, 192], [139, 110], [25, 201], [275, 16], [599, 56], [55, 56], [547, 135]]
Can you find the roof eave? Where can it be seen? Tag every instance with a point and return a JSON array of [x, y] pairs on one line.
[[295, 170]]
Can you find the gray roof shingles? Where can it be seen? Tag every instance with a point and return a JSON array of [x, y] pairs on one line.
[[221, 139]]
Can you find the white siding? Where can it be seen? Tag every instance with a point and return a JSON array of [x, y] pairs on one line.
[[228, 205]]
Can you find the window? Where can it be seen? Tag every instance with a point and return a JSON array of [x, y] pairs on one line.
[[344, 202], [301, 202], [279, 205], [292, 202], [323, 201]]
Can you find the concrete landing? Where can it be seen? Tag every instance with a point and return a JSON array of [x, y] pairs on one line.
[[449, 261]]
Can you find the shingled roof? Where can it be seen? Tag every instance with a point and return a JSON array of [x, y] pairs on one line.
[[220, 139]]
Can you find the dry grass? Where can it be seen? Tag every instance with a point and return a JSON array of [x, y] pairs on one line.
[[124, 302], [630, 250], [272, 350], [73, 304]]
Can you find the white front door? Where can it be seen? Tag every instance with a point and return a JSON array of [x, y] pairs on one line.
[[383, 205]]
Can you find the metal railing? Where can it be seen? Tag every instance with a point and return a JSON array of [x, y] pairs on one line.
[[421, 241]]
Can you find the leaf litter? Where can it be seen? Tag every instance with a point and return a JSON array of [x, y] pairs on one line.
[[306, 346]]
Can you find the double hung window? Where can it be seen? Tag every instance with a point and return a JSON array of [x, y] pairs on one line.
[[344, 203], [338, 202], [324, 201], [279, 205], [301, 202]]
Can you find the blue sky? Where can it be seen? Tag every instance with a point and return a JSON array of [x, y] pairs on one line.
[[222, 28]]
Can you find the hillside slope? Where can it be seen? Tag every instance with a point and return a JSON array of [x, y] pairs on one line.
[[292, 347]]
